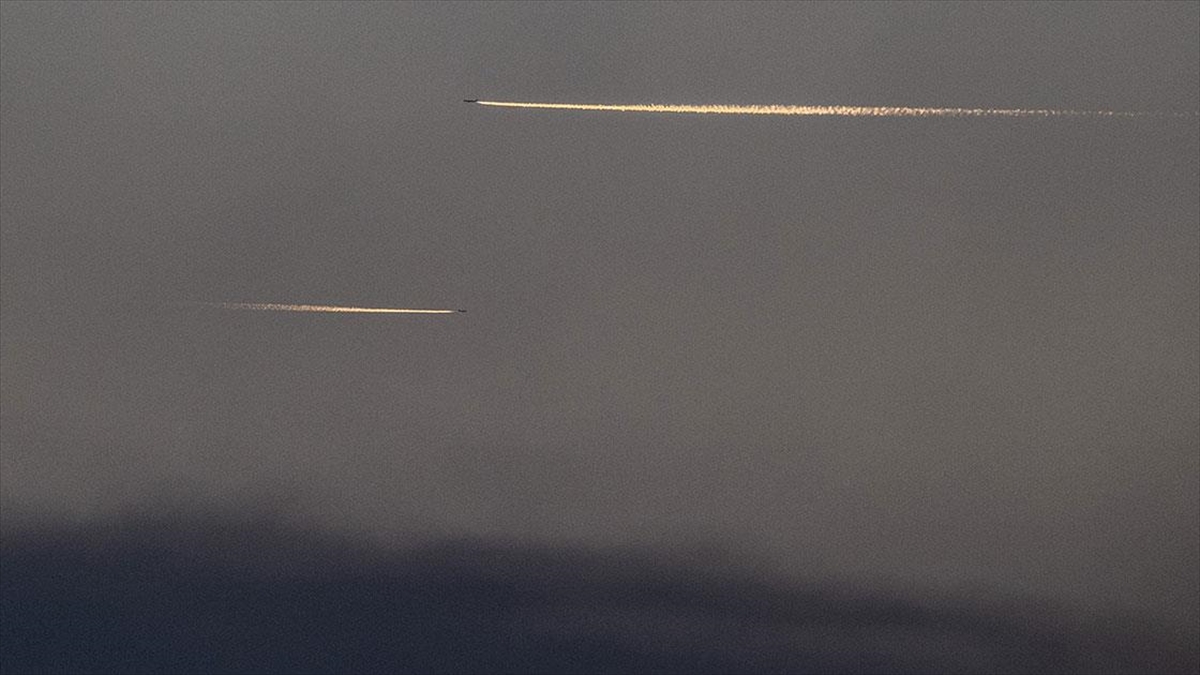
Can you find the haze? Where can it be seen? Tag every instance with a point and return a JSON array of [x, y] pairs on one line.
[[939, 354]]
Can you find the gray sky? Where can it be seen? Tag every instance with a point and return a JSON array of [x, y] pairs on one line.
[[936, 352]]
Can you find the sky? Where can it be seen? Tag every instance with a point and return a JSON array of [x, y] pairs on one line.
[[941, 355]]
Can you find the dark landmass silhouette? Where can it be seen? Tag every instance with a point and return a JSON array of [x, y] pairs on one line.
[[220, 594]]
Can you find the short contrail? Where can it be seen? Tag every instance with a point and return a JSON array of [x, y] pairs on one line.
[[281, 307], [822, 110]]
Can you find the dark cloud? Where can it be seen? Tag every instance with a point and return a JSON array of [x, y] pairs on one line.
[[184, 592]]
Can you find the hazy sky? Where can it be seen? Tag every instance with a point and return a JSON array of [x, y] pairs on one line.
[[922, 351]]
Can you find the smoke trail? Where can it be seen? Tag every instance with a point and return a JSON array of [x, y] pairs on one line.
[[280, 307], [823, 110]]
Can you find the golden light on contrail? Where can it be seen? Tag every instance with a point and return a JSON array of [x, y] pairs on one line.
[[817, 110], [332, 309]]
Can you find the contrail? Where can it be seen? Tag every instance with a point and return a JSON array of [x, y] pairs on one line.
[[822, 110], [281, 307]]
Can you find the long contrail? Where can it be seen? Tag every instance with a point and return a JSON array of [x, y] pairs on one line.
[[336, 309], [821, 110]]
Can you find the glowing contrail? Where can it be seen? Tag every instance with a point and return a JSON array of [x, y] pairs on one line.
[[280, 307], [821, 110]]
